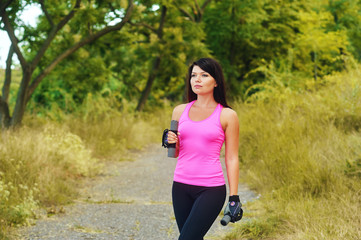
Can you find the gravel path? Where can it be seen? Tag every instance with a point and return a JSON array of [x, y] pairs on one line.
[[129, 201]]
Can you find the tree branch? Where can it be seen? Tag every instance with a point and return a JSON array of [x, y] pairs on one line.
[[144, 25], [186, 13], [137, 42], [197, 7], [50, 20], [7, 82], [14, 41], [201, 10], [3, 6], [161, 23], [53, 32], [113, 9], [205, 4], [75, 47]]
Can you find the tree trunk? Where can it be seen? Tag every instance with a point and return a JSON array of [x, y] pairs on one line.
[[21, 99], [7, 82], [314, 59], [156, 64], [4, 106], [146, 91], [4, 115]]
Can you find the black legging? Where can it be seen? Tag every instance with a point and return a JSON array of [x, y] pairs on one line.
[[196, 208]]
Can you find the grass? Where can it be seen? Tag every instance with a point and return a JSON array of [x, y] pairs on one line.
[[39, 167], [301, 151], [110, 129], [112, 134], [83, 229], [43, 163]]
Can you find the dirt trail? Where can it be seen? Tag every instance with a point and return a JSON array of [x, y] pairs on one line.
[[129, 201]]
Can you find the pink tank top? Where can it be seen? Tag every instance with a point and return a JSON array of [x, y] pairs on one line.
[[200, 144]]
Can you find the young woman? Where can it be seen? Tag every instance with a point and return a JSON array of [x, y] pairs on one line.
[[206, 122]]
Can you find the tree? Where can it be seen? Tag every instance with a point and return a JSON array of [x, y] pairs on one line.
[[251, 33], [174, 47], [93, 23], [347, 17], [156, 62]]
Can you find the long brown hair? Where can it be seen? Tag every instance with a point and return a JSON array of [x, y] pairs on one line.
[[212, 67]]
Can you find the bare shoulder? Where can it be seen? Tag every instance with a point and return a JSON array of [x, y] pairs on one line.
[[229, 113], [228, 117], [177, 111]]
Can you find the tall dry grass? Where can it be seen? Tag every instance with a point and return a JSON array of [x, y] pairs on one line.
[[111, 130], [42, 163], [302, 152], [39, 168]]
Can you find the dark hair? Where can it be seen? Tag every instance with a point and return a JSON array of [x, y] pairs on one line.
[[212, 67]]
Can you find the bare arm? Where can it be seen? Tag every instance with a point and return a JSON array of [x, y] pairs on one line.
[[231, 123]]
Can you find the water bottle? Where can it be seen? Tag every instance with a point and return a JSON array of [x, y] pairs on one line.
[[171, 147]]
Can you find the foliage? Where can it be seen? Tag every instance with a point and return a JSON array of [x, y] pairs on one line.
[[346, 15], [77, 81], [115, 61], [63, 28], [305, 38], [292, 34]]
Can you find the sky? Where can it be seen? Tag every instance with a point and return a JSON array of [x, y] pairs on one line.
[[29, 16]]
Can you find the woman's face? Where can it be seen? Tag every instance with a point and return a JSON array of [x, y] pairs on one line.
[[201, 81]]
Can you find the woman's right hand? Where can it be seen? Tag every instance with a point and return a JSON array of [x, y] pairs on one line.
[[173, 138]]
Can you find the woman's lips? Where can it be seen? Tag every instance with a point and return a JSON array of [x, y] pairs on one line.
[[197, 86]]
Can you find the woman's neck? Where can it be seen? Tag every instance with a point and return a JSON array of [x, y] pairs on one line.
[[205, 101]]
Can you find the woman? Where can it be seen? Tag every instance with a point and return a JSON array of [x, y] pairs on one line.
[[199, 190]]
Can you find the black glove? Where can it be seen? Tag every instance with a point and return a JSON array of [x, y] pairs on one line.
[[234, 208], [165, 138]]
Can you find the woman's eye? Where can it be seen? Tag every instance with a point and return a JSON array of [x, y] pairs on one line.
[[204, 75], [193, 75]]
